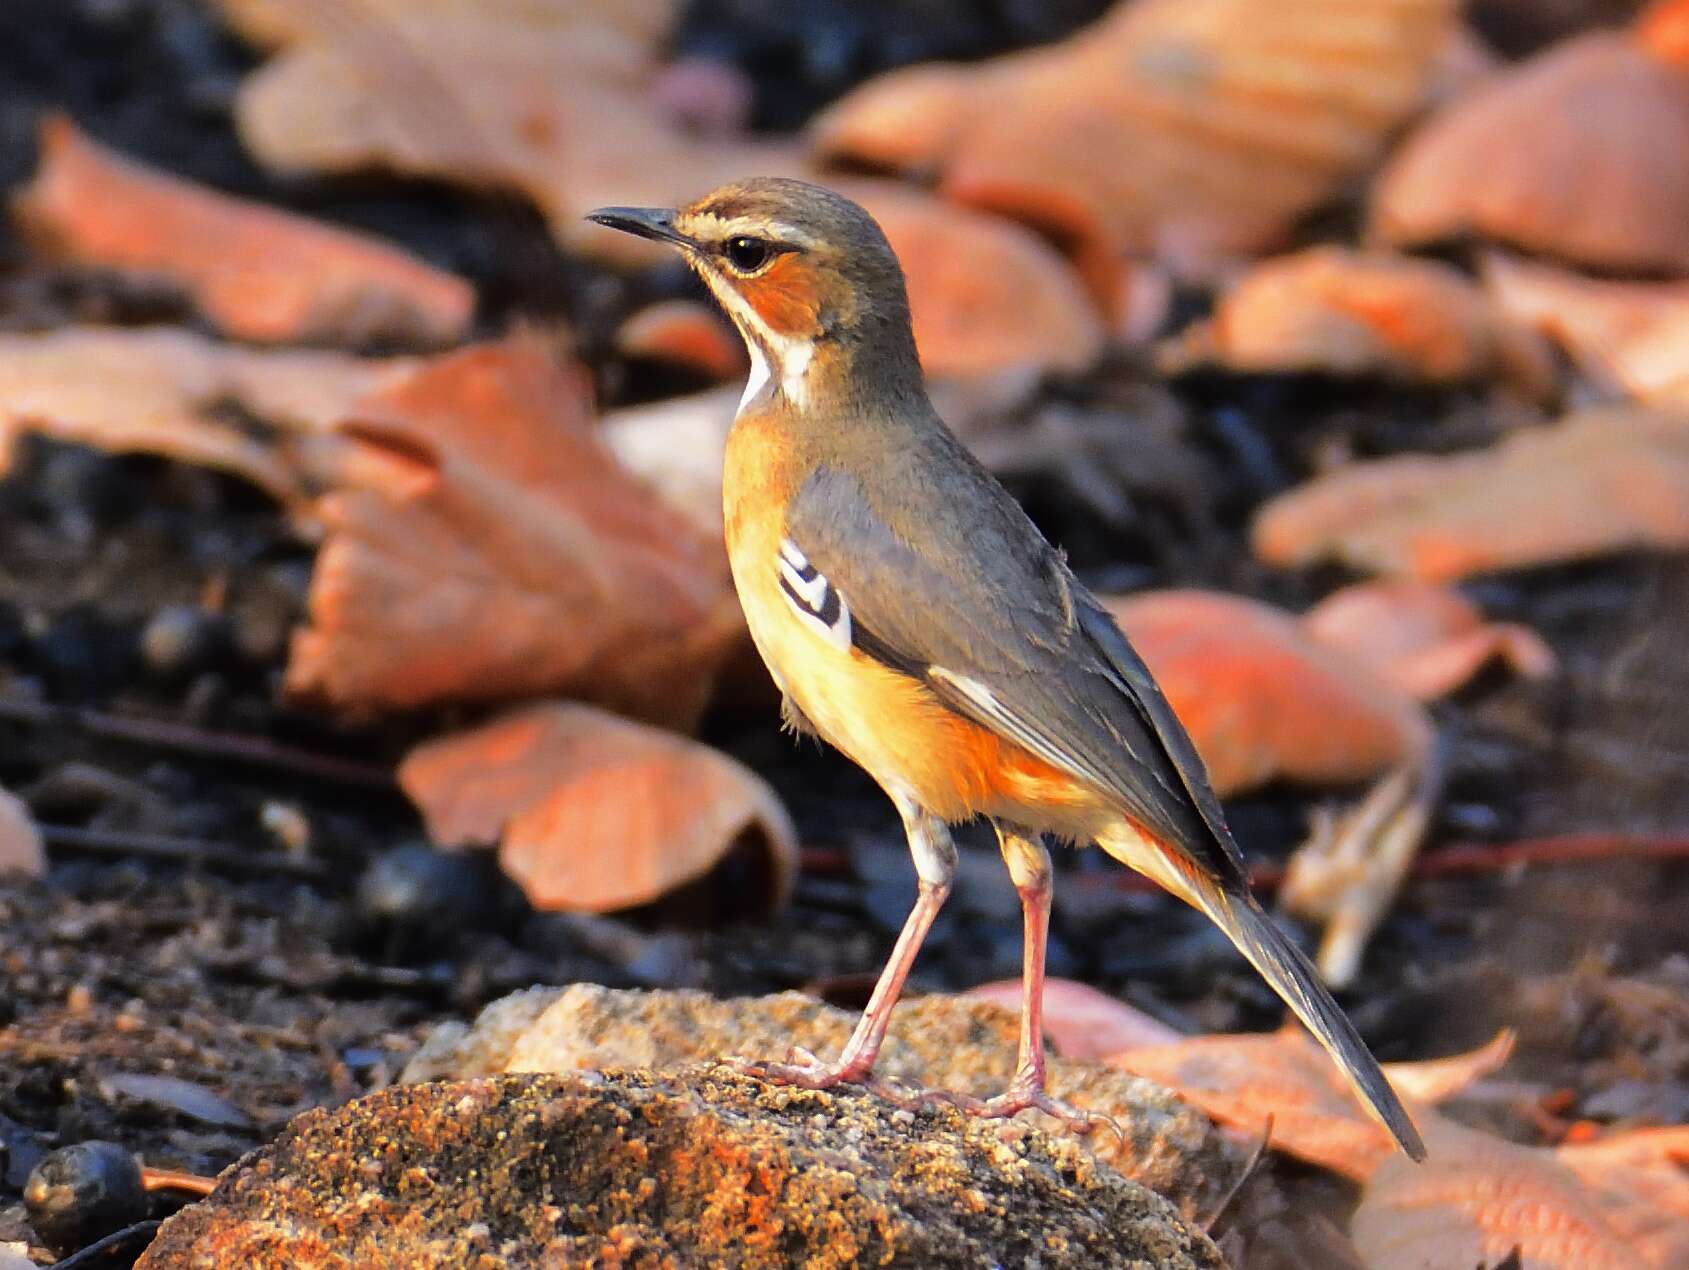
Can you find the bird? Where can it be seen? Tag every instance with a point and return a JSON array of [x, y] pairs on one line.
[[914, 617]]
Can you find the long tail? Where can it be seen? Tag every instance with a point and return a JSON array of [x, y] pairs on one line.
[[1284, 967]]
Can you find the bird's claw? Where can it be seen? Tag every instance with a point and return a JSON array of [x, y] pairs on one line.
[[802, 1070], [1021, 1097]]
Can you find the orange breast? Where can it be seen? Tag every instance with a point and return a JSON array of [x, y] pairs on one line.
[[893, 726]]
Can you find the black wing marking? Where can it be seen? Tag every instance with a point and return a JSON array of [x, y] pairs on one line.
[[988, 615], [816, 600]]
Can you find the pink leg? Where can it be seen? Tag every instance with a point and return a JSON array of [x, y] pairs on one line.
[[935, 860], [1029, 866]]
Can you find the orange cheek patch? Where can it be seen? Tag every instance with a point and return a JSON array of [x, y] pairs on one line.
[[786, 297]]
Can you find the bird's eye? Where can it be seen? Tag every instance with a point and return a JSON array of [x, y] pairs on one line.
[[747, 255]]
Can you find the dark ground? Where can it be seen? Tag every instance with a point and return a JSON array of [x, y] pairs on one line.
[[277, 993]]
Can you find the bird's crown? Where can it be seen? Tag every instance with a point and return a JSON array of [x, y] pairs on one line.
[[805, 274]]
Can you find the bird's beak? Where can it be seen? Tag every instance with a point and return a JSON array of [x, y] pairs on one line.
[[643, 222]]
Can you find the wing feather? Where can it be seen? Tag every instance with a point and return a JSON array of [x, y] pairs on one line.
[[989, 616]]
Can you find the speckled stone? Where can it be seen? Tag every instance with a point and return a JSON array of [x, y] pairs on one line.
[[692, 1168], [960, 1044]]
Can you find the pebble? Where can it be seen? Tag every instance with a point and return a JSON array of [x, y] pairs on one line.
[[84, 1192]]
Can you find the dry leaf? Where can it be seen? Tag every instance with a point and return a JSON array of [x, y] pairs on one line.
[[986, 295], [1263, 701], [273, 23], [1286, 1077], [486, 545], [1478, 1197], [565, 115], [169, 392], [1631, 337], [593, 812], [1575, 153], [21, 852], [256, 272], [1081, 1021], [1345, 312], [685, 333], [1189, 130], [1642, 1177], [1425, 639], [1601, 481]]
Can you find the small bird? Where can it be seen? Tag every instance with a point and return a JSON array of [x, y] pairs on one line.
[[915, 618]]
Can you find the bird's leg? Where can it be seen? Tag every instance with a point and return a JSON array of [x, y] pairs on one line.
[[935, 862], [1029, 867]]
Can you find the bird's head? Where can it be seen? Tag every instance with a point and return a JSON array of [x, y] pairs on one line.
[[807, 277]]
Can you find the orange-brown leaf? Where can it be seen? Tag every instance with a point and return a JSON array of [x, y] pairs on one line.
[[1083, 1022], [1601, 481], [1245, 1080], [1574, 153], [1425, 639], [593, 812], [281, 22], [486, 545], [167, 392], [563, 113], [1261, 699], [986, 295], [1628, 336], [1642, 1177], [1185, 129], [256, 272], [684, 333], [1478, 1197], [1344, 312]]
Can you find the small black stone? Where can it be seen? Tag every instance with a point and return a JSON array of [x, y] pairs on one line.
[[84, 1192], [181, 640]]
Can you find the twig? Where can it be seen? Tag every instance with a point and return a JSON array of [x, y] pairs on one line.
[[187, 739], [193, 850], [176, 1180], [99, 1252]]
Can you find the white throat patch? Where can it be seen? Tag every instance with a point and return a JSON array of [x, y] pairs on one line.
[[791, 357]]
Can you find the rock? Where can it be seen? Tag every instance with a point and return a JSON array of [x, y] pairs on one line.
[[960, 1044], [696, 1168]]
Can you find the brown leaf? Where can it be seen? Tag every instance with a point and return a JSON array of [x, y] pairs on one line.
[[1642, 1178], [1245, 1080], [986, 295], [1573, 153], [167, 392], [1263, 701], [1478, 1197], [1425, 639], [1631, 337], [486, 545], [1600, 481], [1185, 129], [685, 333], [677, 447], [1081, 1021], [21, 852], [593, 812], [564, 113], [274, 23], [256, 272], [1345, 312]]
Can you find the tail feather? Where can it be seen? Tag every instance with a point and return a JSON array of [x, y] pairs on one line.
[[1294, 978], [1280, 962]]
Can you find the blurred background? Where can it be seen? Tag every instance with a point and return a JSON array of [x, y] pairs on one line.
[[367, 651]]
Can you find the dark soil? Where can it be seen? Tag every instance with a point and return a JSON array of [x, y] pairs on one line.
[[269, 982]]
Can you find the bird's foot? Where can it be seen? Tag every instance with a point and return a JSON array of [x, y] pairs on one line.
[[1025, 1095], [805, 1071]]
